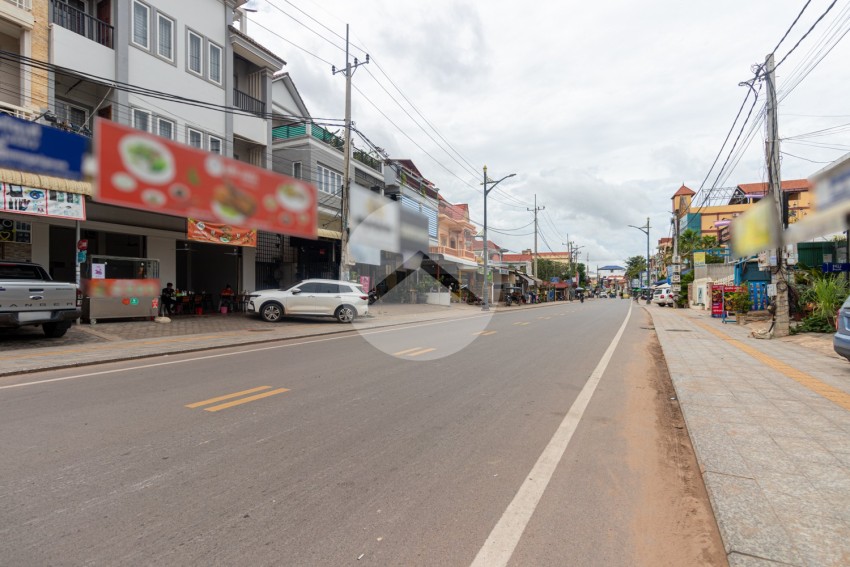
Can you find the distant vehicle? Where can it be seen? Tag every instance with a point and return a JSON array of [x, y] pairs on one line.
[[841, 340], [327, 298], [512, 295], [30, 297], [663, 296]]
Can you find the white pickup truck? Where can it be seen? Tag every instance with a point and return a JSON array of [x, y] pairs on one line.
[[28, 296]]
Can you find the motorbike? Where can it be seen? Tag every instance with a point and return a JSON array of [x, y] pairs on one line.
[[373, 296]]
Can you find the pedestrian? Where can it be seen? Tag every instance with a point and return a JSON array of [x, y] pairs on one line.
[[226, 301], [166, 297]]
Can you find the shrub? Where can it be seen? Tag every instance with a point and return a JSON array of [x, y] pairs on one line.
[[738, 302]]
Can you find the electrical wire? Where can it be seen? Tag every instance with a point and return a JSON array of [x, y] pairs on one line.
[[805, 35], [802, 158], [792, 25]]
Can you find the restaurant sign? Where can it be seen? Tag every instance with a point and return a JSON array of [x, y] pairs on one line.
[[147, 172], [42, 202], [217, 233]]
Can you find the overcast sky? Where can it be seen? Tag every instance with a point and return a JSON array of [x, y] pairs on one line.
[[601, 109]]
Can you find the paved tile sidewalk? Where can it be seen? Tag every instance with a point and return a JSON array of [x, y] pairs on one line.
[[770, 423]]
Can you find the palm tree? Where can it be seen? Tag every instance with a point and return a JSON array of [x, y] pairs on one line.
[[689, 241]]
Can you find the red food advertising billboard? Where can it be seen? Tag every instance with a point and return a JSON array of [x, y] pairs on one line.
[[143, 171]]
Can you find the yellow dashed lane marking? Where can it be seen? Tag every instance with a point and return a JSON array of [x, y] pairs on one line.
[[228, 397], [521, 323], [408, 351], [239, 395], [246, 400], [485, 333], [421, 351], [832, 394]]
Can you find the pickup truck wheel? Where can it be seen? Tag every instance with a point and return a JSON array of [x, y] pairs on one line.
[[54, 330]]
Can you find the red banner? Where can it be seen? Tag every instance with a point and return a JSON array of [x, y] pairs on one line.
[[143, 171], [216, 233]]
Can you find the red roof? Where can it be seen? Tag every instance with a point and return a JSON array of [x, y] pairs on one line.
[[761, 188], [683, 190], [456, 212]]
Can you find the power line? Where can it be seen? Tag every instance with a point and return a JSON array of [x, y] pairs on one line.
[[792, 25], [799, 41], [802, 158]]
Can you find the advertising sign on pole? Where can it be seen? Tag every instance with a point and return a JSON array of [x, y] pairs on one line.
[[27, 146], [147, 172]]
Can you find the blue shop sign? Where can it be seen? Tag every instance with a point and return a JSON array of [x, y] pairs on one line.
[[35, 148], [832, 267]]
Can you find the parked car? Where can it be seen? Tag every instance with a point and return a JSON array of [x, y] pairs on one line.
[[841, 340], [662, 296], [330, 298], [30, 297]]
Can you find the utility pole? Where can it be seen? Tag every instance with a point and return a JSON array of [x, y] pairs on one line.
[[535, 209], [645, 229], [346, 176], [676, 276], [774, 179]]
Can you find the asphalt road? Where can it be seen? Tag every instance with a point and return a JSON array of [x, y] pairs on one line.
[[415, 445]]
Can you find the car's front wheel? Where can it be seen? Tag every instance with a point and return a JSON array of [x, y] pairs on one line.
[[345, 313], [271, 312]]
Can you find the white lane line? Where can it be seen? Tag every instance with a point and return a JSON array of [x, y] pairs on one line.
[[240, 352], [502, 541]]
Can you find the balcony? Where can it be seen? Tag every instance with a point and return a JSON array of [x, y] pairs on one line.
[[81, 23], [368, 160], [456, 252], [17, 111], [244, 101]]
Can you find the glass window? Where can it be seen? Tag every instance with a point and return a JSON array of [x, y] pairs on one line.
[[311, 287], [296, 170], [165, 128], [195, 57], [215, 145], [141, 120], [327, 184], [215, 63], [165, 37], [141, 15], [73, 115], [195, 138]]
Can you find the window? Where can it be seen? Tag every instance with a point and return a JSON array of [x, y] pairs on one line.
[[165, 37], [215, 63], [73, 115], [328, 181], [195, 58], [141, 16], [296, 170], [195, 138], [215, 145], [310, 287], [165, 128], [141, 120]]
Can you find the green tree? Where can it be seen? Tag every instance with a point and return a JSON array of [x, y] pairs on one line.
[[634, 266], [689, 241]]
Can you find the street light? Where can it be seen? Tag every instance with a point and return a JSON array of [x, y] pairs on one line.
[[486, 303], [572, 249], [645, 230]]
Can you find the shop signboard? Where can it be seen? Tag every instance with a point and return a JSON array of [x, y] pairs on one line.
[[37, 148], [41, 202], [717, 301], [147, 172], [217, 233]]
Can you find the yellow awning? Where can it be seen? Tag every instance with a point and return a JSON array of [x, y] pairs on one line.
[[45, 182], [336, 235]]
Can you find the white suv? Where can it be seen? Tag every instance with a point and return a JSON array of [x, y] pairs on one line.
[[663, 296], [331, 298]]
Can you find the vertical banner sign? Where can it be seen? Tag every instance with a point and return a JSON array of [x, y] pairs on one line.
[[147, 172]]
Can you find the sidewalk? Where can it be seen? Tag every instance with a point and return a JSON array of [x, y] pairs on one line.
[[26, 350], [770, 423]]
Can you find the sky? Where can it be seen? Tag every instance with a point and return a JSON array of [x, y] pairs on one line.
[[602, 110]]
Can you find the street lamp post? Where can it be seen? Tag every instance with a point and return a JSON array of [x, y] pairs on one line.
[[486, 299], [645, 230]]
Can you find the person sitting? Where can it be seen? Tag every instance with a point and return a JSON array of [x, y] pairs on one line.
[[166, 297], [227, 295]]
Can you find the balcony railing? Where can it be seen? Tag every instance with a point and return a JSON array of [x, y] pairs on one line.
[[79, 22], [246, 102], [18, 111], [288, 131], [22, 4], [327, 137], [367, 160], [457, 252]]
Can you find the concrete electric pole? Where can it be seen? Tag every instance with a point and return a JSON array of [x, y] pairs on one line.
[[535, 209], [345, 197], [774, 178]]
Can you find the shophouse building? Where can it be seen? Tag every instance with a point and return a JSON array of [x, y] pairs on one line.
[[131, 61]]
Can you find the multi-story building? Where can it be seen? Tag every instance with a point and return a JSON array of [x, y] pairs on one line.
[[306, 150], [180, 70]]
